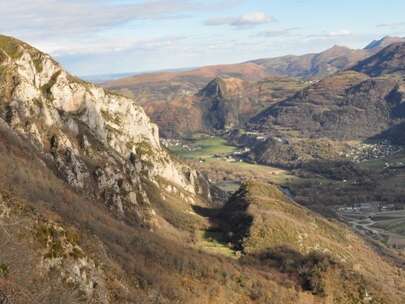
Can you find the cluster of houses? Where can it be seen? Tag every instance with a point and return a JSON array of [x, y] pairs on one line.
[[259, 136], [228, 158], [171, 143], [368, 207], [364, 152], [395, 165]]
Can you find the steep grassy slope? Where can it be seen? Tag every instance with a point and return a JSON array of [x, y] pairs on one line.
[[262, 222]]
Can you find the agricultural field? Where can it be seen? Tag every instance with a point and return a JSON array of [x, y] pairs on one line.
[[203, 148], [393, 221], [387, 227]]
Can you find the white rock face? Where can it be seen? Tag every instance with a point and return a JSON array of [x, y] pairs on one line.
[[114, 119], [43, 86]]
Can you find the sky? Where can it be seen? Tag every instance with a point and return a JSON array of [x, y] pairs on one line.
[[95, 37]]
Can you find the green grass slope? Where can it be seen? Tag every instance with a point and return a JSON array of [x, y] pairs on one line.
[[262, 222]]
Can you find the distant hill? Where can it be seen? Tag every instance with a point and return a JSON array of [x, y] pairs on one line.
[[106, 77], [310, 66], [357, 104], [340, 107], [325, 63], [383, 42], [229, 102], [101, 78], [391, 60], [191, 80]]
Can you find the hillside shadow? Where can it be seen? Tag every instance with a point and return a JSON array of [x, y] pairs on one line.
[[210, 213], [231, 223], [215, 232], [395, 134]]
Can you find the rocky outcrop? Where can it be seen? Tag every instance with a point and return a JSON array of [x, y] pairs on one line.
[[229, 103], [99, 142], [221, 101]]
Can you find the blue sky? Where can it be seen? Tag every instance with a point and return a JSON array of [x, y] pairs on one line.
[[114, 36]]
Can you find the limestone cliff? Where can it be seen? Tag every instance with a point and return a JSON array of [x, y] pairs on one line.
[[99, 142]]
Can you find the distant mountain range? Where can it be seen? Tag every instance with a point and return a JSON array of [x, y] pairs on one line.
[[166, 95], [372, 86], [100, 78], [306, 66], [312, 66], [106, 77]]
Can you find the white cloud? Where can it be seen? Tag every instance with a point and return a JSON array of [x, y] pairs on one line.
[[393, 25], [67, 27], [333, 34], [246, 20], [278, 33], [99, 46], [340, 33], [60, 17]]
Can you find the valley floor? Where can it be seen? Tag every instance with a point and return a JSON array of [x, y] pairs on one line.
[[383, 221]]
